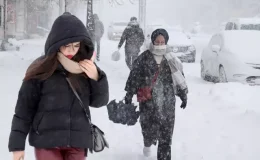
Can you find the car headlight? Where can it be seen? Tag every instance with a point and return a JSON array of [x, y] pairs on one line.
[[191, 48]]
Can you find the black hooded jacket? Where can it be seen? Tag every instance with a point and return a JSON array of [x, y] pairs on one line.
[[47, 109], [133, 37]]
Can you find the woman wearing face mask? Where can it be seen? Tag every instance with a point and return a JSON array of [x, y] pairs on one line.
[[152, 81], [47, 108]]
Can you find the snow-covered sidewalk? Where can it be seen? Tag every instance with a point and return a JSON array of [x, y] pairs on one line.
[[221, 121]]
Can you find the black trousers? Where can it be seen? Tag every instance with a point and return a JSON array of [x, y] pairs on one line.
[[98, 48], [154, 129], [129, 59]]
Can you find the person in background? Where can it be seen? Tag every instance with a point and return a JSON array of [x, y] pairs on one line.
[[47, 108], [133, 37], [152, 80], [98, 33]]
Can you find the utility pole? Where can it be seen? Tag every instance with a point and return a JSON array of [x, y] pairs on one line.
[[142, 16], [142, 13], [5, 17], [61, 7], [66, 5], [89, 19]]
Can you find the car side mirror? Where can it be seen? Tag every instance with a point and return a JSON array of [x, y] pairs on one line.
[[215, 48]]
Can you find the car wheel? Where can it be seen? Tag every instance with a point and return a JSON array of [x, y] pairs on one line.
[[202, 71], [191, 61], [222, 75]]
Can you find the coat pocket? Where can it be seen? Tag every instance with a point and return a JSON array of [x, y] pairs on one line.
[[38, 124]]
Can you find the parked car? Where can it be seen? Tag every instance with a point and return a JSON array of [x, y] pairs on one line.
[[116, 29], [243, 24], [232, 56], [179, 42]]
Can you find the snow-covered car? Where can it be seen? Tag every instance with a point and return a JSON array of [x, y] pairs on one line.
[[116, 29], [243, 24], [179, 42], [232, 56]]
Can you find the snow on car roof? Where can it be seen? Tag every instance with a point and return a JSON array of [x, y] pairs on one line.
[[242, 42], [242, 35], [248, 20]]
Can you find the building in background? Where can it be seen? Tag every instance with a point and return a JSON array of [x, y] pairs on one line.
[[16, 19], [38, 15], [2, 19], [27, 18]]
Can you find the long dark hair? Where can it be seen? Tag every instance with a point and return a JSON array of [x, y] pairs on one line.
[[44, 66]]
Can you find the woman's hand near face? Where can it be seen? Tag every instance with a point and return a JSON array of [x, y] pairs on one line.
[[89, 68]]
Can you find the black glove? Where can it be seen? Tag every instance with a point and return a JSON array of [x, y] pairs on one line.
[[183, 96], [184, 100], [128, 98]]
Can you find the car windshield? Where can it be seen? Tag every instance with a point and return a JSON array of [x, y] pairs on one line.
[[250, 27], [242, 42]]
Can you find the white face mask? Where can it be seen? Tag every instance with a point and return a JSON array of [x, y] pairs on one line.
[[159, 49]]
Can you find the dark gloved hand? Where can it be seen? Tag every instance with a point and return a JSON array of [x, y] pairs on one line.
[[184, 100], [128, 98], [183, 96]]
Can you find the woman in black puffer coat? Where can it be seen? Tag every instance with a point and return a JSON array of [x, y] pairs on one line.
[[47, 108], [151, 80]]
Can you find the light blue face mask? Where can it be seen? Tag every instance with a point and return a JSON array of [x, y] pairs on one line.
[[159, 49]]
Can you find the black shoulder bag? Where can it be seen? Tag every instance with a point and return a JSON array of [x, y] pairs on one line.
[[98, 136]]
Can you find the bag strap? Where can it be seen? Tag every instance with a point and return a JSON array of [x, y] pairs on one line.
[[80, 101], [156, 76]]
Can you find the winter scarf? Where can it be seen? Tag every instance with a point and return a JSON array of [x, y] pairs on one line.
[[158, 56], [70, 65], [158, 53], [174, 63], [176, 71]]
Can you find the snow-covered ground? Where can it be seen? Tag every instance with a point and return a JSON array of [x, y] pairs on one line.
[[221, 121]]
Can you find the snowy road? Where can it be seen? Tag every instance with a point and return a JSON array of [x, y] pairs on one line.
[[221, 121]]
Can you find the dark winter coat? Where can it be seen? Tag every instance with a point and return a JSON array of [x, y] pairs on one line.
[[134, 37], [142, 74], [99, 29], [157, 115], [48, 109]]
